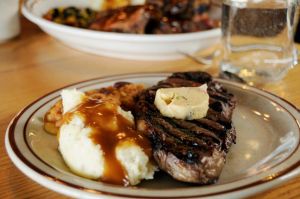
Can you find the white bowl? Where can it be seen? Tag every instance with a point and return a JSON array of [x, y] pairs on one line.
[[120, 45]]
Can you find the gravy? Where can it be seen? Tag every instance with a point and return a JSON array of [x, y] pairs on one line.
[[109, 129]]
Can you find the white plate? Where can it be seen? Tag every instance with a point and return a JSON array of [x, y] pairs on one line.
[[267, 152], [120, 45]]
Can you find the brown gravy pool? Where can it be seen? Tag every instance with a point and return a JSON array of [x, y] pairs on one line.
[[109, 128]]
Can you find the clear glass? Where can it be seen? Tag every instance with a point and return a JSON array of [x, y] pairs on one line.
[[258, 38]]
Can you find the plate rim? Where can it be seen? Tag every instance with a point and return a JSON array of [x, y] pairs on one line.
[[10, 132]]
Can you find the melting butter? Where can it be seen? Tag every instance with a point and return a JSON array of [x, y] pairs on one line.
[[187, 103]]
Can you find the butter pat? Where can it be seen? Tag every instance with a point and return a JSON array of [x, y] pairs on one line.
[[187, 103]]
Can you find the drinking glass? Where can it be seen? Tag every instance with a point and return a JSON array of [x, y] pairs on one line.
[[258, 39]]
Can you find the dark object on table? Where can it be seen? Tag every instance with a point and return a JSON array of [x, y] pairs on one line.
[[191, 151]]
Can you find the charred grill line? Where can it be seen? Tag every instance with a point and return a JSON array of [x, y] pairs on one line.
[[173, 145], [196, 129], [219, 96], [210, 124], [177, 133], [217, 117]]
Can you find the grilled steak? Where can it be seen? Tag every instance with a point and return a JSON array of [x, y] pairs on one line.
[[181, 9], [129, 19], [191, 151], [170, 25], [155, 17], [180, 16]]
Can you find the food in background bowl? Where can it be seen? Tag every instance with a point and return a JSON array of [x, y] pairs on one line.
[[153, 17], [117, 45]]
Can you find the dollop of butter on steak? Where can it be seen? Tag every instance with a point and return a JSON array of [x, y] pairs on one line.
[[187, 103], [189, 150]]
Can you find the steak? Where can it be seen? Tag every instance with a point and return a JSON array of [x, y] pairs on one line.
[[171, 25], [180, 9], [155, 17], [129, 19], [191, 151]]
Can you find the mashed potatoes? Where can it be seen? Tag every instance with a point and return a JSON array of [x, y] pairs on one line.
[[86, 157]]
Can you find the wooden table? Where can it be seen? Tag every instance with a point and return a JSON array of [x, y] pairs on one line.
[[34, 64]]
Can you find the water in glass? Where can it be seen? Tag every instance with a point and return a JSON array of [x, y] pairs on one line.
[[258, 38]]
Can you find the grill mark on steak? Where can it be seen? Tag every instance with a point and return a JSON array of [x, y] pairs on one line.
[[173, 145], [208, 140], [210, 124], [196, 129], [219, 96], [217, 117], [180, 136], [181, 133], [186, 138], [190, 151]]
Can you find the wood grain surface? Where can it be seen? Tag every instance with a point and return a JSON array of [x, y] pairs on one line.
[[34, 64]]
